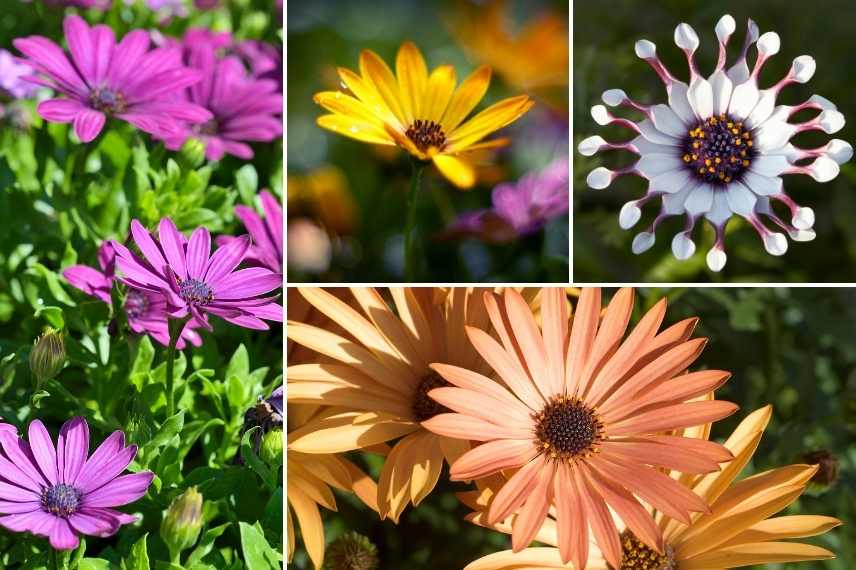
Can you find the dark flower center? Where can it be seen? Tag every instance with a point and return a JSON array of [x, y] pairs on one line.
[[209, 129], [426, 134], [107, 101], [635, 555], [424, 407], [719, 150], [568, 428], [136, 304], [61, 500], [195, 292]]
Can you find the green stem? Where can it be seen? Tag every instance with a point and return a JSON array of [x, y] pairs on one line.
[[176, 326], [409, 269]]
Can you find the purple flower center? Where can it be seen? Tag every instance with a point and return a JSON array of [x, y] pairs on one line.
[[61, 500], [195, 292], [136, 304], [209, 129], [719, 149], [107, 101]]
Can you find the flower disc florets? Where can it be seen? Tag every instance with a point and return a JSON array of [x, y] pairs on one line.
[[61, 500], [568, 428]]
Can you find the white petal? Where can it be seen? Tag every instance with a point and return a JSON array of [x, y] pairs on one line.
[[802, 235], [803, 68], [613, 97], [762, 185], [600, 115], [763, 109], [725, 27], [700, 200], [716, 259], [721, 87], [673, 204], [629, 215], [824, 169], [769, 44], [650, 132], [644, 146], [831, 121], [803, 219], [680, 103], [667, 121], [741, 200], [822, 102], [653, 165], [686, 37], [599, 178], [743, 100], [771, 165], [642, 242], [700, 95], [670, 182], [682, 246], [720, 212], [773, 135], [590, 146], [840, 151], [645, 49], [775, 243]]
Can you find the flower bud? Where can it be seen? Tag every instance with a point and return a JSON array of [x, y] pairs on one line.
[[351, 551], [47, 356], [183, 521], [272, 446], [192, 153]]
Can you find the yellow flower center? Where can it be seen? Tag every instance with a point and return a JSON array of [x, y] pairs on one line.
[[423, 406], [426, 134], [635, 555], [567, 428]]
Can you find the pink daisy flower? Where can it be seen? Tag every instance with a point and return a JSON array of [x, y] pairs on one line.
[[266, 233], [146, 311], [195, 283], [59, 492], [104, 79]]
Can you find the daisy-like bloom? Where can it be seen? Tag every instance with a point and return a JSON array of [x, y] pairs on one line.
[[242, 108], [60, 492], [721, 145], [266, 249], [146, 311], [520, 208], [372, 367], [739, 531], [421, 113], [309, 481], [105, 79], [579, 414], [12, 73], [196, 283]]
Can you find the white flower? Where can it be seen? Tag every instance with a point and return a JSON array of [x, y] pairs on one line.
[[720, 146]]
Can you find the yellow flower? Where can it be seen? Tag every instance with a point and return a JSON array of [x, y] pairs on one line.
[[421, 113], [737, 531], [309, 479], [533, 59], [324, 194]]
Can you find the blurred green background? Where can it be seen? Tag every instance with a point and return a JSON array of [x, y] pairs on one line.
[[792, 348], [604, 58], [357, 192]]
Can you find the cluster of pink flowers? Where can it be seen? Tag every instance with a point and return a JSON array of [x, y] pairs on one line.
[[189, 88]]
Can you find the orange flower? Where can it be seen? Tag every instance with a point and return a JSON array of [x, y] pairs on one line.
[[580, 416]]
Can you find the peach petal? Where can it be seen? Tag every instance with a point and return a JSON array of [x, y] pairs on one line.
[[515, 491], [476, 382], [583, 332], [492, 457], [609, 334], [529, 338], [534, 511], [659, 455], [571, 519], [507, 368], [712, 450], [502, 325], [602, 525], [555, 331], [482, 406], [672, 417], [467, 427]]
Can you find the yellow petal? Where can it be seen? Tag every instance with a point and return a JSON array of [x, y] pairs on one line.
[[438, 93], [363, 486], [757, 553], [466, 97], [456, 170], [404, 142], [373, 68], [354, 128], [339, 103], [485, 145], [540, 557], [491, 119], [335, 432], [310, 486], [310, 523], [327, 468], [334, 373], [290, 540], [366, 92], [426, 471], [413, 317], [794, 526], [331, 394], [412, 74], [393, 486]]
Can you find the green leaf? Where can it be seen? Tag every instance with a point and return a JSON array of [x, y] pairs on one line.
[[169, 429], [254, 461], [206, 544], [239, 364], [247, 181], [258, 554], [139, 557], [96, 564]]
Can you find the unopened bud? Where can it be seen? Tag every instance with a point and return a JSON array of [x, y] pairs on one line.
[[192, 153], [272, 446], [351, 551], [183, 521], [47, 356]]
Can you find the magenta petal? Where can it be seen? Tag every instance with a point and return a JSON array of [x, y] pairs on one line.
[[105, 42], [246, 321], [148, 247], [60, 110], [17, 494], [88, 124], [14, 474], [120, 491], [246, 283], [101, 466], [18, 452], [94, 522], [90, 281], [226, 259], [173, 248], [17, 508], [62, 537], [273, 216], [43, 450], [268, 312], [80, 44], [72, 447], [198, 250], [118, 515], [126, 56], [24, 522], [48, 57]]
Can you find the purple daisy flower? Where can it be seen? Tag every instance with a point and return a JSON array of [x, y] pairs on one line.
[[59, 492], [104, 79], [266, 233], [518, 209], [146, 311], [244, 109], [12, 74], [195, 283]]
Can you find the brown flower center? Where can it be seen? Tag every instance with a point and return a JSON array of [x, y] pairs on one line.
[[636, 555], [426, 134], [423, 406], [567, 428]]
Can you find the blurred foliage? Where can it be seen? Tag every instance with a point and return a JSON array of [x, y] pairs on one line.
[[604, 58], [326, 34], [791, 348]]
